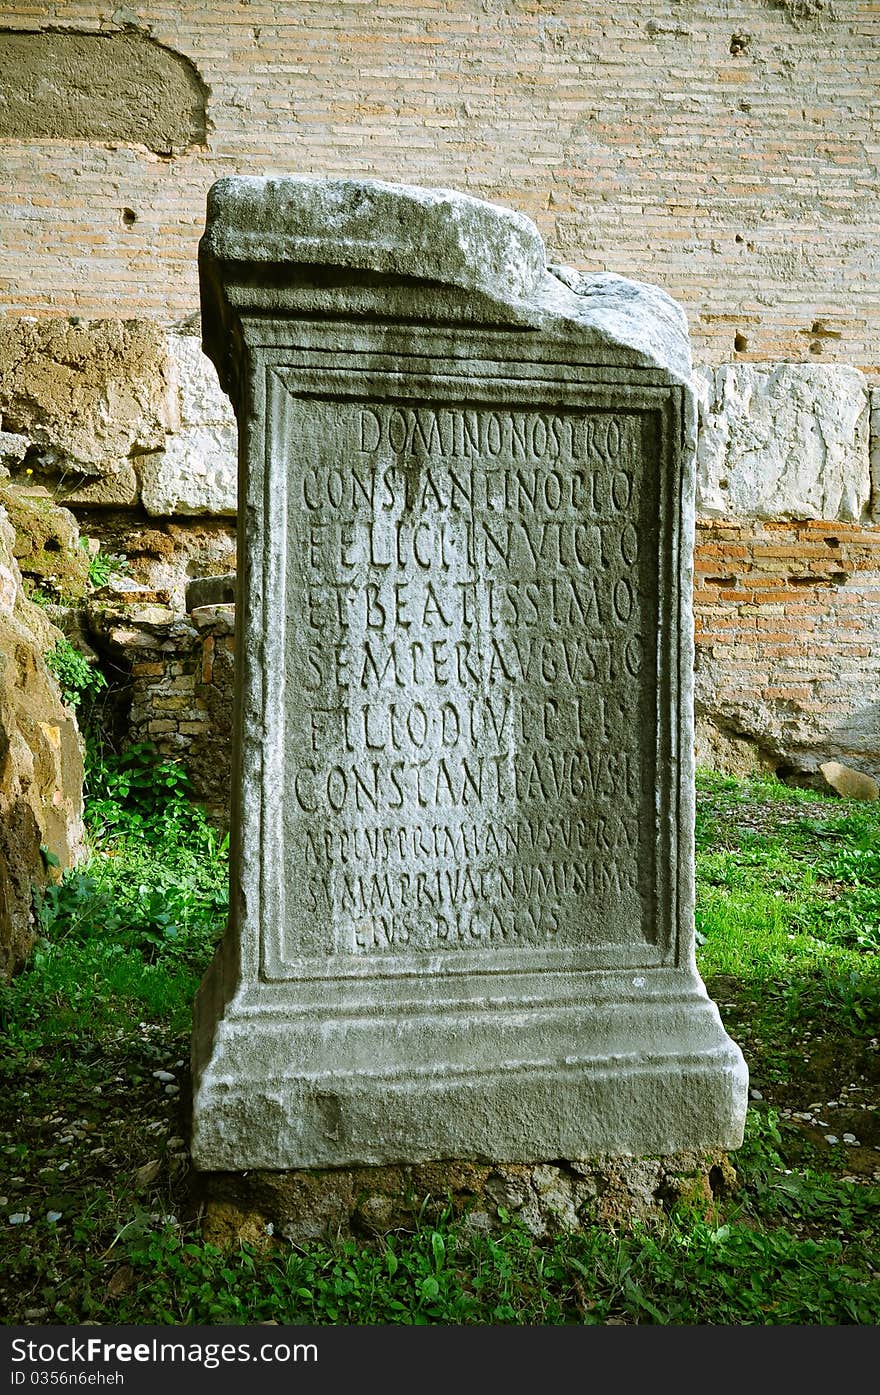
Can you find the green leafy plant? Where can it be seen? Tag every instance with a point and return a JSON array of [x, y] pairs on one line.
[[104, 565], [138, 792], [141, 915], [77, 676], [35, 595]]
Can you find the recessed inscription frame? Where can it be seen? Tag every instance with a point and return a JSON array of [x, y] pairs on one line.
[[430, 404], [498, 1043]]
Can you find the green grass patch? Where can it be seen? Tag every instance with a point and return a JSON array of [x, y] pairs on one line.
[[92, 1149], [131, 929]]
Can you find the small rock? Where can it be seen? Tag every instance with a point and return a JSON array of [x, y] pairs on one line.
[[148, 1172], [755, 1095], [121, 1281], [850, 1138], [19, 1218], [53, 1215], [831, 1138], [163, 1075], [478, 1222], [849, 783], [172, 1089]]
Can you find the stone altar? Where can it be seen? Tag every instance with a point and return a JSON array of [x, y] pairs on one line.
[[461, 919]]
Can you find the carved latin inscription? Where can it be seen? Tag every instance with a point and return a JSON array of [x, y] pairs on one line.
[[471, 623]]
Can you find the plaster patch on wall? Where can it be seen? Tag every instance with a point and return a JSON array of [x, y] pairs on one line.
[[63, 85], [812, 12]]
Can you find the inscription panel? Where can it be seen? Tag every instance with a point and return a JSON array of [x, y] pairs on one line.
[[470, 676]]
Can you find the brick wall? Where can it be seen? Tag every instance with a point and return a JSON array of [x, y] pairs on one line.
[[178, 671], [728, 152], [787, 620]]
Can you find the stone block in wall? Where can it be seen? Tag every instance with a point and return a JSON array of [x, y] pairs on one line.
[[46, 541], [199, 394], [196, 471], [210, 591], [786, 440], [88, 396], [195, 474]]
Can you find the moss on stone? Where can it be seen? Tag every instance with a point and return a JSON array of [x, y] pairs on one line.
[[47, 546]]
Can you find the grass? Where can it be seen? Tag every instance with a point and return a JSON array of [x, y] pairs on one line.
[[94, 1081]]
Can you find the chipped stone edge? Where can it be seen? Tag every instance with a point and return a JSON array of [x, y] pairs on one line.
[[444, 238]]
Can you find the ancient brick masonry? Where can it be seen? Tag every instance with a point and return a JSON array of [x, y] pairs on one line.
[[787, 570], [788, 653], [728, 153], [181, 669]]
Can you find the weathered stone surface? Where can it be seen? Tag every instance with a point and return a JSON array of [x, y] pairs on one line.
[[87, 395], [201, 400], [40, 761], [750, 734], [106, 87], [204, 616], [785, 441], [117, 489], [196, 472], [13, 449], [787, 662], [164, 554], [211, 591], [849, 783], [462, 919], [718, 746], [549, 1199], [630, 314], [114, 413], [433, 234], [46, 542]]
